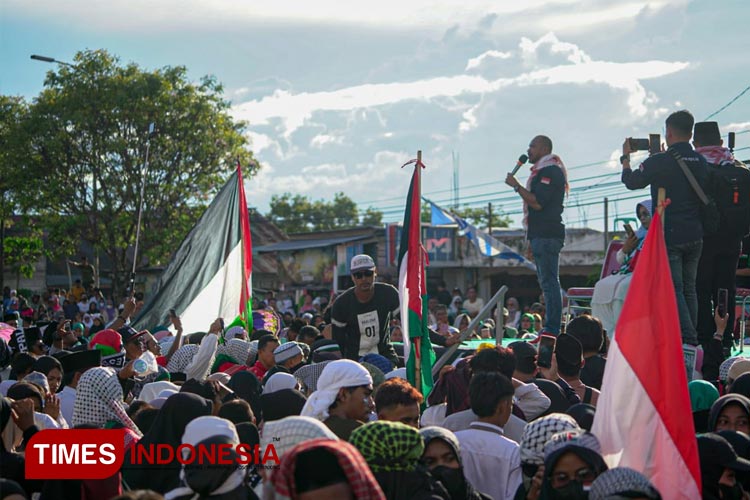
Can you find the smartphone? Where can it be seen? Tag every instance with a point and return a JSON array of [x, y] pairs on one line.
[[629, 230], [722, 302], [654, 143], [639, 144], [546, 348]]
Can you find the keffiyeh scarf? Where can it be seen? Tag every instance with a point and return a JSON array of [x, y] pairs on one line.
[[388, 446], [99, 400], [538, 432], [716, 155]]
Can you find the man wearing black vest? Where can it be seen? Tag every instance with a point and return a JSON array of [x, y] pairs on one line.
[[729, 185], [542, 208], [683, 230]]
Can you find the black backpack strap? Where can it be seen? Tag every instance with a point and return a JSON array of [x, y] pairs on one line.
[[587, 395], [690, 177]]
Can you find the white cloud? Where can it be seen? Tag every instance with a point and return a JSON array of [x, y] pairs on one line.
[[321, 140], [295, 109], [736, 127], [476, 62]]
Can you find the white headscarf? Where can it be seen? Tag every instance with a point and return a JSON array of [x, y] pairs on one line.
[[280, 381], [198, 430], [336, 375], [152, 390]]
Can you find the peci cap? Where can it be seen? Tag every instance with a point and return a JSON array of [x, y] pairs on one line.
[[362, 262], [569, 350], [522, 349], [81, 361], [286, 352], [707, 133]]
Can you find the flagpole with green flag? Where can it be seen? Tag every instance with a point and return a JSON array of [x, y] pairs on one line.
[[412, 287]]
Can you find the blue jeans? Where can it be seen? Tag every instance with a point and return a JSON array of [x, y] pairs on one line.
[[546, 253], [683, 264]]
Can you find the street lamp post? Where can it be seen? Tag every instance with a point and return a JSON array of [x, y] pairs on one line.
[[47, 59]]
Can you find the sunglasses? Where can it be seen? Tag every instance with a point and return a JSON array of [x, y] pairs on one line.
[[361, 274]]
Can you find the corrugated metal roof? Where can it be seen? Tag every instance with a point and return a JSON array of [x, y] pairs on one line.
[[288, 246]]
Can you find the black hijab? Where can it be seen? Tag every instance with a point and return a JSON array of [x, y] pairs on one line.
[[283, 403], [724, 401], [741, 385], [247, 386], [178, 411]]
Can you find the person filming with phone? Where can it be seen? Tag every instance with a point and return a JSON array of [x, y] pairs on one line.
[[681, 172]]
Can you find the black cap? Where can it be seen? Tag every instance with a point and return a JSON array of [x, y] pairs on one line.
[[129, 333], [569, 350], [11, 316], [522, 349], [81, 361], [50, 333], [707, 133], [714, 449]]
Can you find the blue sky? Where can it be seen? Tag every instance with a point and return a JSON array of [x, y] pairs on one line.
[[339, 94]]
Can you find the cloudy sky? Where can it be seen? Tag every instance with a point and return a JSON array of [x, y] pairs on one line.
[[339, 94]]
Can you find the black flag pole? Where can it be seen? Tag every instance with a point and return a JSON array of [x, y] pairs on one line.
[[144, 172]]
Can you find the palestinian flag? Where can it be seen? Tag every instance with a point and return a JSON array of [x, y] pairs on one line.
[[412, 287], [210, 274]]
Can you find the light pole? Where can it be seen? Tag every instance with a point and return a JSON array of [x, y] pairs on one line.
[[47, 59]]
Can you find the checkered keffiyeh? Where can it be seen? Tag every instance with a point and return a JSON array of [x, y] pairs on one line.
[[99, 400], [538, 432], [308, 375], [237, 349], [288, 432], [388, 446], [360, 478], [725, 366], [576, 437], [622, 482], [182, 358]]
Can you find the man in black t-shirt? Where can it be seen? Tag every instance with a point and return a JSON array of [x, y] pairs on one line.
[[542, 208], [361, 316]]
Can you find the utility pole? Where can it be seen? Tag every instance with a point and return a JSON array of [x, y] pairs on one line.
[[489, 225], [606, 224]]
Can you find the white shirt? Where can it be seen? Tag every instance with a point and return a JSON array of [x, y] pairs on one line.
[[462, 420], [67, 399], [473, 308], [491, 461], [531, 400]]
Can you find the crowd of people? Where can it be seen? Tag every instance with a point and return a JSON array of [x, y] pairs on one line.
[[324, 383]]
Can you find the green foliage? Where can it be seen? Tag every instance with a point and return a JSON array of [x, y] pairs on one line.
[[84, 143], [22, 253], [299, 214]]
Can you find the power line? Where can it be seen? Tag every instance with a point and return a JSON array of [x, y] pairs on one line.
[[727, 104]]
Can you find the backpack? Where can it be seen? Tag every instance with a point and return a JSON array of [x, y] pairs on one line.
[[730, 188]]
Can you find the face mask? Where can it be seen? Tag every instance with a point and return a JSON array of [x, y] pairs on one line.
[[452, 479], [571, 491], [731, 492]]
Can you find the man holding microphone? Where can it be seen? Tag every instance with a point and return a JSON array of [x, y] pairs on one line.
[[542, 217]]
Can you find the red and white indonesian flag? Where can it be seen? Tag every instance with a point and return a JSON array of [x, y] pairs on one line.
[[643, 416], [210, 274]]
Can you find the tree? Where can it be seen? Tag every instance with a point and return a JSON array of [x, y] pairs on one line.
[[21, 253], [298, 214], [87, 134]]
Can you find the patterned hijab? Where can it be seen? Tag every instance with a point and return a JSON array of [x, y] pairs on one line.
[[99, 400], [288, 432], [237, 349], [358, 475], [388, 446], [308, 375], [623, 482], [537, 433]]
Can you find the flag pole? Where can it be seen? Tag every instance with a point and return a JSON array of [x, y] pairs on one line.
[[417, 345]]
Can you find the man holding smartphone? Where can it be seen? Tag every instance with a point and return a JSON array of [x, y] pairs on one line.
[[683, 230], [542, 208]]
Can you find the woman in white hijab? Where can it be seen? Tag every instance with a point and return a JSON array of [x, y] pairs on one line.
[[215, 482]]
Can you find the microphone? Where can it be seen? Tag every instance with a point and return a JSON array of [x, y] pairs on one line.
[[521, 160]]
